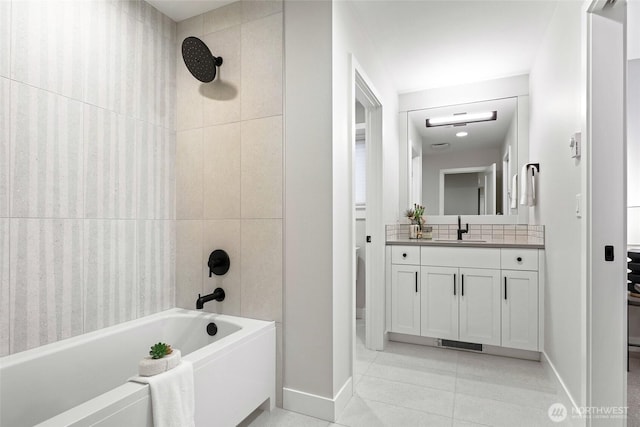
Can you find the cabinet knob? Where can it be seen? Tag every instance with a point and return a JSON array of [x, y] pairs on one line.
[[519, 259], [404, 255]]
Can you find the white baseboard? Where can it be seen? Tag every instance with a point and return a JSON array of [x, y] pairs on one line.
[[318, 406], [569, 400], [361, 313]]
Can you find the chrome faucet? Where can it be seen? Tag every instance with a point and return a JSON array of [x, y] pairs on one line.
[[460, 230]]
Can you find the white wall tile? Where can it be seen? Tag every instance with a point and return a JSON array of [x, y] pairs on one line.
[[156, 246], [156, 172], [189, 101], [5, 117], [261, 266], [47, 45], [222, 17], [262, 168], [221, 97], [46, 161], [109, 273], [5, 37], [189, 164], [110, 177], [256, 9], [189, 262], [45, 281], [262, 55], [4, 287], [221, 171], [189, 27], [223, 235]]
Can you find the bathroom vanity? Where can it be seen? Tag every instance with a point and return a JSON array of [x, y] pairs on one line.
[[481, 295]]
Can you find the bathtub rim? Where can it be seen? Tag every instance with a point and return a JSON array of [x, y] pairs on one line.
[[43, 350]]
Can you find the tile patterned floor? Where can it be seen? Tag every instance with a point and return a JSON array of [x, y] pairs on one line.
[[411, 385]]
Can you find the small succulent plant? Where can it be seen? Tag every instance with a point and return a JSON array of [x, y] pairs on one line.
[[160, 350]]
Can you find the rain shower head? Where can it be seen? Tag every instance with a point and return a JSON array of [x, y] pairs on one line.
[[199, 60]]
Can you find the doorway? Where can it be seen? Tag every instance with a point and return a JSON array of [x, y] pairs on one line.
[[368, 228]]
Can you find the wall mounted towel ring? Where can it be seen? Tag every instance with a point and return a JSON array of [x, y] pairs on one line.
[[534, 166]]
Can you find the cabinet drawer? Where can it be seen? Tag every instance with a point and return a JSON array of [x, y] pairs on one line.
[[461, 257], [519, 259], [405, 255]]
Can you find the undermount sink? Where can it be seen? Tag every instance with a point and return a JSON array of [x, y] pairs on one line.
[[461, 241]]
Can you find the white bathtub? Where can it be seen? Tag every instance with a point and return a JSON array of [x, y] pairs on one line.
[[82, 381]]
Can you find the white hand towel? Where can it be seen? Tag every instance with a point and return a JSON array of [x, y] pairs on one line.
[[172, 396], [527, 187], [514, 192]]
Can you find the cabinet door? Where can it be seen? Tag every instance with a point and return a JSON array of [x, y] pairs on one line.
[[439, 302], [520, 309], [405, 299], [480, 306]]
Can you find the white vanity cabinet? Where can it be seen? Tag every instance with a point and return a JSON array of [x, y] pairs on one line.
[[478, 295], [520, 292], [405, 290], [460, 300]]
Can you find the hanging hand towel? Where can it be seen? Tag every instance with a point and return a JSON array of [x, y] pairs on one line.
[[527, 187], [514, 192], [172, 396]]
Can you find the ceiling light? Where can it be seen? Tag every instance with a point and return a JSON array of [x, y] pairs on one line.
[[462, 134], [462, 118]]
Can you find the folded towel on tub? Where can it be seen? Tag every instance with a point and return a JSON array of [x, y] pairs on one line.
[[172, 396]]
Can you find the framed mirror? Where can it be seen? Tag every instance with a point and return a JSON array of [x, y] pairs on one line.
[[464, 158]]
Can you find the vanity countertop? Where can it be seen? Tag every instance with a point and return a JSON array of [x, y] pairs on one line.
[[465, 243]]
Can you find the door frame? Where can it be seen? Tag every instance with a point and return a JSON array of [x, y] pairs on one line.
[[363, 90], [605, 188]]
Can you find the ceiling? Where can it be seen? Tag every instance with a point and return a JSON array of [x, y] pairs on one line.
[[435, 43], [481, 135], [428, 43], [179, 10]]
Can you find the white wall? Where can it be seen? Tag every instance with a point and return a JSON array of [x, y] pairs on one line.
[[554, 81], [432, 163], [308, 199], [318, 205]]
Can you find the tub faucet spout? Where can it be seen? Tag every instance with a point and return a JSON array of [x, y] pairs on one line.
[[217, 295]]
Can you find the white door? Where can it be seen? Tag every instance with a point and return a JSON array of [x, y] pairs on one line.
[[405, 299], [480, 306], [439, 302], [520, 309]]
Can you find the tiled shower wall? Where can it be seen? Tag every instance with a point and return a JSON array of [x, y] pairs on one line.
[[87, 153], [229, 163]]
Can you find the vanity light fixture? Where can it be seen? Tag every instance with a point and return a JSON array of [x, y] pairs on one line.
[[462, 118], [462, 134]]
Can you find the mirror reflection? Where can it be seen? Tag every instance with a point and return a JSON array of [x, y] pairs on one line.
[[464, 158]]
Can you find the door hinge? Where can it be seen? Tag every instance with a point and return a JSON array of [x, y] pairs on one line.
[[368, 239]]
